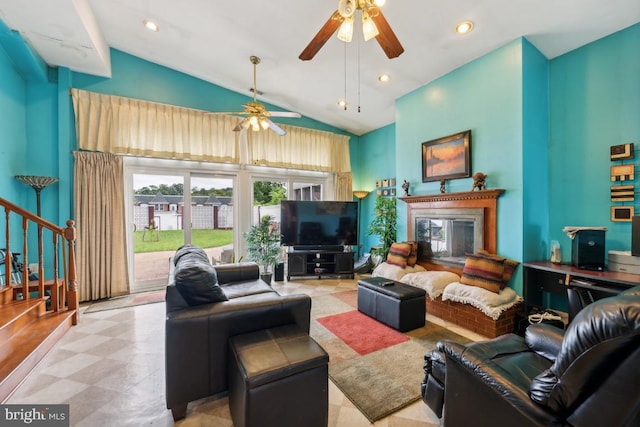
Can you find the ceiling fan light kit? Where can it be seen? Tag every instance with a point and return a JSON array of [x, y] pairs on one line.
[[374, 25], [369, 29], [345, 33], [257, 115]]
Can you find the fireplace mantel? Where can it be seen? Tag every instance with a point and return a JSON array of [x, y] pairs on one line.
[[485, 199], [453, 197]]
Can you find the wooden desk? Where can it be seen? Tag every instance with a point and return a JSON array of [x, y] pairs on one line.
[[541, 277]]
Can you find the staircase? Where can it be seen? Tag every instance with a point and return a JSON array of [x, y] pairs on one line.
[[34, 314]]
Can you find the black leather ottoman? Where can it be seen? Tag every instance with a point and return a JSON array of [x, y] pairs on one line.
[[397, 305], [278, 377]]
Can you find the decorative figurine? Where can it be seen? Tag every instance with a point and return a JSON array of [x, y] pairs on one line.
[[405, 187], [443, 182], [479, 181]]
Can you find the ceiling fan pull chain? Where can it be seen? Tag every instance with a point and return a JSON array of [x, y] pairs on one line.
[[345, 77], [358, 75]]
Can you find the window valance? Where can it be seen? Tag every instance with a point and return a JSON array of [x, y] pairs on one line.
[[120, 125]]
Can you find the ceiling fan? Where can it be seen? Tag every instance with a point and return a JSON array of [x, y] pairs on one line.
[[374, 24], [257, 115]]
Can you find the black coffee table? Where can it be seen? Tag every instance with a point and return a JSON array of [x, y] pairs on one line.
[[401, 306]]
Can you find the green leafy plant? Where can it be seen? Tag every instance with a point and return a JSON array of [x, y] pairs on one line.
[[263, 244], [384, 225]]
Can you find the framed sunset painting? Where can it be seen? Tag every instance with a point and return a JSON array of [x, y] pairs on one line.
[[447, 157]]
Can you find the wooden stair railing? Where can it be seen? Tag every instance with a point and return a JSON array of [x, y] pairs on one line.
[[63, 290], [31, 322]]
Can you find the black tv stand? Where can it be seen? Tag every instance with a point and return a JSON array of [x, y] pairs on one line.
[[318, 248], [320, 261]]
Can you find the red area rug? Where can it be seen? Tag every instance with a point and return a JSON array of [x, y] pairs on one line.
[[362, 333]]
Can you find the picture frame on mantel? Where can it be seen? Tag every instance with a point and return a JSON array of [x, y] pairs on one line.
[[447, 157]]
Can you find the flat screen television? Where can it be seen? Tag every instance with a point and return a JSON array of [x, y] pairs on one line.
[[307, 224]]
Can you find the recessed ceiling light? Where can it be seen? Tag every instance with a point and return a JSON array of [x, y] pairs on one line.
[[384, 78], [464, 27], [151, 25], [343, 104]]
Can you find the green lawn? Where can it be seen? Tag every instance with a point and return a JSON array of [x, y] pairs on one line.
[[170, 240]]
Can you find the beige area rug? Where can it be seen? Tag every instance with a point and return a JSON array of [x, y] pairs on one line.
[[126, 301], [381, 382]]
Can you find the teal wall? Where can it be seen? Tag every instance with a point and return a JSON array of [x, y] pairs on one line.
[[486, 97], [13, 138], [595, 103], [376, 160], [541, 129], [14, 153], [535, 153]]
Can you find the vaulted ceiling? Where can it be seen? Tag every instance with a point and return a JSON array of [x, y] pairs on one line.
[[213, 40]]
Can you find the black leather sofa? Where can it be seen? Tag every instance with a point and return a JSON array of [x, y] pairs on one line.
[[205, 306], [588, 376]]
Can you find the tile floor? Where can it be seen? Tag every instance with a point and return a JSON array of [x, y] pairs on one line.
[[110, 370]]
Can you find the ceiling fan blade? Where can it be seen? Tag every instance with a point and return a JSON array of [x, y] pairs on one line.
[[284, 114], [386, 38], [244, 124], [321, 38], [277, 129]]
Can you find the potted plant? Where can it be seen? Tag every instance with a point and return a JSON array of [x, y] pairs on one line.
[[384, 225], [263, 246]]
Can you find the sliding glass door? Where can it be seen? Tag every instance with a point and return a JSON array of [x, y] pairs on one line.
[[212, 216], [163, 216], [157, 224], [172, 202]]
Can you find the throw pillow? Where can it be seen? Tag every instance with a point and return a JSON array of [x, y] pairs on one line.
[[398, 254], [189, 250], [197, 281], [413, 256], [484, 272], [508, 264]]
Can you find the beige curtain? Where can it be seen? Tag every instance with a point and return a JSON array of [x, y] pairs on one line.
[[120, 125], [300, 148], [343, 187], [98, 191]]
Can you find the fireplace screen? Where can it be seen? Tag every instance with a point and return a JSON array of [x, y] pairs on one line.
[[447, 235]]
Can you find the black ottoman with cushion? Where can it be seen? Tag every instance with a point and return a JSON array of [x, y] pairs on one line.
[[393, 303], [278, 377]]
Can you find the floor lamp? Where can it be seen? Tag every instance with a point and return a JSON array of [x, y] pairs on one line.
[[37, 183], [360, 194]]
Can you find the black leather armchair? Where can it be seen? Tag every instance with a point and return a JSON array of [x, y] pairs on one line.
[[197, 337], [588, 377]]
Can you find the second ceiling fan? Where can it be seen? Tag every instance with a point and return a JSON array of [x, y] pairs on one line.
[[374, 24], [257, 115]]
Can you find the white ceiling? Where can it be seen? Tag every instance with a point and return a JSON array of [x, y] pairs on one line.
[[213, 39]]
